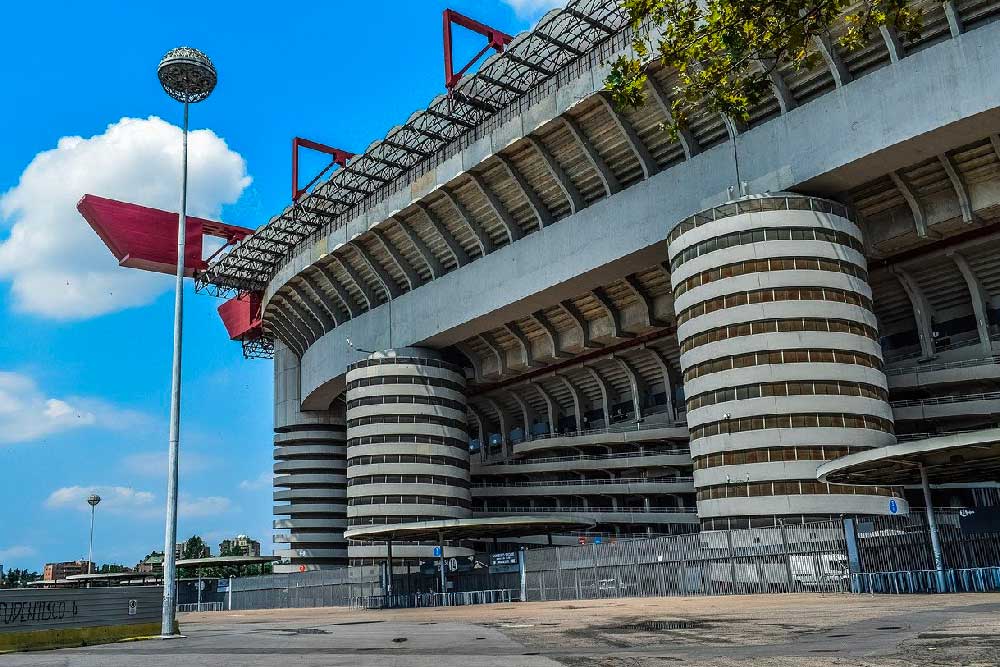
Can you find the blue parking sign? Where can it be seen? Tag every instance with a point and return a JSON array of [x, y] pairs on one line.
[[893, 506], [437, 552], [597, 539]]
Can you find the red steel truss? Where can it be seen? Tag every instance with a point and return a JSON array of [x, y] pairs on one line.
[[495, 40]]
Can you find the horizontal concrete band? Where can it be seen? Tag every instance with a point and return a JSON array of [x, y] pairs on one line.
[[835, 504]]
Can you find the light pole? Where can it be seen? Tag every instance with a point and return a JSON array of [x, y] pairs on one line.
[[92, 501], [188, 76]]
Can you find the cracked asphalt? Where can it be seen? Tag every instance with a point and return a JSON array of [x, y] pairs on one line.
[[809, 630]]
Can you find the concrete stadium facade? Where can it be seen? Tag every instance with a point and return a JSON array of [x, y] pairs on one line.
[[536, 256]]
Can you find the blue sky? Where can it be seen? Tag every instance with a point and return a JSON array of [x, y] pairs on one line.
[[85, 356]]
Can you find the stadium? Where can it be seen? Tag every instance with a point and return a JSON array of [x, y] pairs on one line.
[[526, 302]]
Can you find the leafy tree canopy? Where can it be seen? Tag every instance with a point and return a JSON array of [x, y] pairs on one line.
[[18, 578], [195, 547], [725, 50]]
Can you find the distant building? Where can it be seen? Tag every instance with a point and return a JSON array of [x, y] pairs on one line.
[[55, 571], [151, 563], [241, 545]]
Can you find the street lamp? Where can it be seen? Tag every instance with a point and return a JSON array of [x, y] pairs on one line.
[[92, 501], [188, 76]]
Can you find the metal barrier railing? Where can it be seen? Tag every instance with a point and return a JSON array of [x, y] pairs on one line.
[[586, 482], [963, 580], [590, 457], [416, 600], [200, 606]]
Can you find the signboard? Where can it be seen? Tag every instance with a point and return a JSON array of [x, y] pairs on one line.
[[582, 539], [133, 605], [504, 562], [978, 521], [222, 586], [893, 506], [437, 552], [597, 539]]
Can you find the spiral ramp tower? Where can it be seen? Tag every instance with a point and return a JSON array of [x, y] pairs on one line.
[[407, 445], [781, 360]]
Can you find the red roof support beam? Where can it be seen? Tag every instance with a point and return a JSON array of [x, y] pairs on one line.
[[338, 156], [494, 40], [241, 316], [146, 238]]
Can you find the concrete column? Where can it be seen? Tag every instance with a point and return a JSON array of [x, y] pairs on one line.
[[932, 528], [980, 301]]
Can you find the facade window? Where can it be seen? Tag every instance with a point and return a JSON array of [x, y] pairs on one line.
[[793, 487], [748, 236], [405, 379], [771, 295], [764, 265], [799, 388], [799, 420], [775, 357]]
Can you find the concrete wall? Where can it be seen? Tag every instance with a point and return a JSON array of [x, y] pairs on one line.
[[48, 618], [937, 98]]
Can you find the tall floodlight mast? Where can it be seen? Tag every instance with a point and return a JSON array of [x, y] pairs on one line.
[[92, 500], [188, 76]]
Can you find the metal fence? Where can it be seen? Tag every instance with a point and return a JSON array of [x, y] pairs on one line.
[[890, 554], [200, 606], [320, 588], [760, 560], [453, 599]]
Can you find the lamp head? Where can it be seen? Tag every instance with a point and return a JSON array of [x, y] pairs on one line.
[[187, 74]]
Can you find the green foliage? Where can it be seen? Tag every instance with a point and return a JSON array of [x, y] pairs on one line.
[[18, 578], [112, 568], [725, 50], [195, 547]]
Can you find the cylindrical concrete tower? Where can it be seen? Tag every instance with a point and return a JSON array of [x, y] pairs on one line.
[[407, 444], [781, 360], [310, 483]]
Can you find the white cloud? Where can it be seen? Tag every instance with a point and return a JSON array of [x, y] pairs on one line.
[[26, 413], [200, 507], [16, 551], [114, 499], [154, 464], [262, 481], [135, 503], [57, 265], [533, 9]]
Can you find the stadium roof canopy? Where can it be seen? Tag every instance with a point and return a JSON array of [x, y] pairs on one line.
[[505, 85], [947, 459], [220, 561], [467, 529]]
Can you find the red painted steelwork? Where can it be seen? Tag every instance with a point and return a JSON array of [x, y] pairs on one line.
[[146, 238], [338, 156], [241, 316], [494, 40]]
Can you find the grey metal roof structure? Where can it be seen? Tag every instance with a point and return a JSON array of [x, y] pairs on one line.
[[960, 458], [498, 91], [467, 529]]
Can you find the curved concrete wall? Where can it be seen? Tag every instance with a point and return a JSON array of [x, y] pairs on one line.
[[407, 443], [310, 482], [775, 377]]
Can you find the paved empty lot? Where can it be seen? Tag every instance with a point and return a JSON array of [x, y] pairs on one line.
[[751, 631]]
